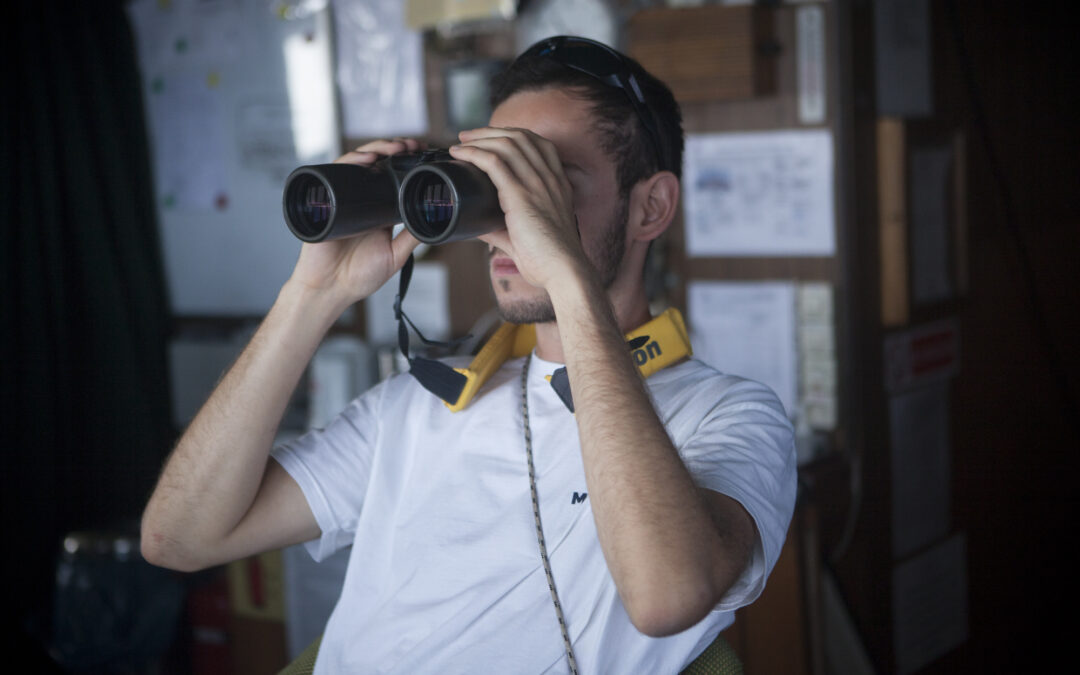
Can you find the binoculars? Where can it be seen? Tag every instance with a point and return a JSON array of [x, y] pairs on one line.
[[438, 198]]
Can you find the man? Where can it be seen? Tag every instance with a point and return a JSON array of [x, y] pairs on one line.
[[513, 535]]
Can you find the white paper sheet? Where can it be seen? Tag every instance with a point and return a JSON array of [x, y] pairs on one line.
[[759, 194], [380, 70], [930, 605], [903, 58], [747, 329], [189, 140], [921, 467], [237, 94], [810, 63], [595, 19], [264, 138], [929, 171], [311, 591]]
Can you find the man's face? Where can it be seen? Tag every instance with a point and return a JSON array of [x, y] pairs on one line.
[[601, 212]]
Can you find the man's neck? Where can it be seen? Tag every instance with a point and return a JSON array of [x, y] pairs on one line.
[[548, 343], [629, 316]]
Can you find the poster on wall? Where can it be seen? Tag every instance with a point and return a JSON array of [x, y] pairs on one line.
[[237, 95], [759, 194], [748, 329]]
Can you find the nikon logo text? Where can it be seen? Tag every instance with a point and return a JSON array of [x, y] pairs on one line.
[[649, 351]]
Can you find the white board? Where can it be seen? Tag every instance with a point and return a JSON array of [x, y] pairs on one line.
[[237, 93]]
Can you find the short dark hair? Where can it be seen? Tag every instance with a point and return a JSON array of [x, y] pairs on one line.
[[623, 136]]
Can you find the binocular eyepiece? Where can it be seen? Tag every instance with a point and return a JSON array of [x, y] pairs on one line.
[[440, 199]]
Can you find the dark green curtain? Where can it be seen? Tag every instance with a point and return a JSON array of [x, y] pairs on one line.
[[83, 306]]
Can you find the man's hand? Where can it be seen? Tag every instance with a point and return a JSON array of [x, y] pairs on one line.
[[355, 267], [536, 197]]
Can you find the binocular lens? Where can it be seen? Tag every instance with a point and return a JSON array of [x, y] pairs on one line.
[[310, 205], [430, 202]]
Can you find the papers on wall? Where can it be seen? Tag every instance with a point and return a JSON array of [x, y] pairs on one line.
[[921, 467], [930, 604], [921, 355], [265, 140], [918, 366], [844, 649], [930, 171], [759, 193], [468, 92], [237, 94], [189, 130], [427, 304], [902, 58], [311, 591], [594, 19], [195, 367], [747, 329], [817, 356], [343, 368], [380, 70], [810, 63]]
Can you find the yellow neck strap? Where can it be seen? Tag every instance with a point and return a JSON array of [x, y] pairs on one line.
[[655, 345]]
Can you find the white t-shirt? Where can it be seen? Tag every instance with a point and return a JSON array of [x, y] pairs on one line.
[[445, 574]]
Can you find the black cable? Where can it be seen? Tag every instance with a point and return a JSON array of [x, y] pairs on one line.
[[1057, 370]]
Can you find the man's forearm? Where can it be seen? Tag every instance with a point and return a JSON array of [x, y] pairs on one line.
[[211, 478], [656, 531]]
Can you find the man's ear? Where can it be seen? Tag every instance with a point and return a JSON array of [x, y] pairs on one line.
[[653, 204]]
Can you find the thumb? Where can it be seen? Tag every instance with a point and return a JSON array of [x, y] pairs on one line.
[[401, 246]]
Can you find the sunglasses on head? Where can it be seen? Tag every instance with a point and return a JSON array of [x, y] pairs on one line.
[[606, 65]]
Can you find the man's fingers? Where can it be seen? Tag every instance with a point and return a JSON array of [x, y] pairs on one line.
[[372, 151], [385, 146], [523, 160], [500, 240], [518, 183], [401, 246], [494, 166], [358, 157], [541, 151]]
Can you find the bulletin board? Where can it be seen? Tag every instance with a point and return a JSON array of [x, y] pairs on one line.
[[237, 94], [758, 256], [758, 249]]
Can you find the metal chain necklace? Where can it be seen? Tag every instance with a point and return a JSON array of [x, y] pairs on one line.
[[536, 513]]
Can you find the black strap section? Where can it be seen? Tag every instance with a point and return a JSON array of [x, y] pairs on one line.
[[438, 378], [560, 382], [435, 376]]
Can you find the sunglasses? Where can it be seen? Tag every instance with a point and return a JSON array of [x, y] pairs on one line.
[[599, 61]]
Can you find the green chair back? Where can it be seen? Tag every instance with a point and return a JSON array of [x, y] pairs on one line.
[[717, 659]]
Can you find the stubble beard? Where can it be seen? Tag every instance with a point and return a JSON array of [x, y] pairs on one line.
[[608, 258]]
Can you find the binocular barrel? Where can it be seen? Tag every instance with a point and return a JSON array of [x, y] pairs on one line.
[[440, 200]]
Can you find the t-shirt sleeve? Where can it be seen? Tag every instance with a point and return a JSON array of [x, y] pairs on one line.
[[744, 448], [332, 466]]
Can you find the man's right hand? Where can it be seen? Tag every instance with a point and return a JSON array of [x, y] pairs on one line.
[[353, 268]]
